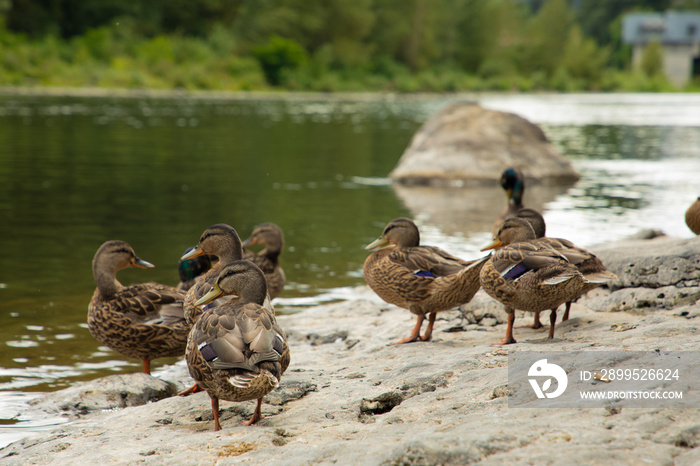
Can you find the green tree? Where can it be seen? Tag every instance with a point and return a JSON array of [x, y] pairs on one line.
[[583, 59], [70, 18], [547, 33], [336, 25], [503, 38], [478, 26]]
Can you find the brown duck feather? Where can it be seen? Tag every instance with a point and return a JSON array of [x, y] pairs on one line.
[[271, 237], [218, 240], [237, 351], [422, 279], [143, 321], [692, 217], [529, 274], [588, 263]]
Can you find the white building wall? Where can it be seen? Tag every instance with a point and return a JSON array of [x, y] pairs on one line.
[[677, 61]]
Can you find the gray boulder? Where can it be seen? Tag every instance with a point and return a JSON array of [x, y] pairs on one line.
[[661, 273], [465, 144], [113, 392]]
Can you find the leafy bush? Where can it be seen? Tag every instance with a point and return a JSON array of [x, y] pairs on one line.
[[279, 55]]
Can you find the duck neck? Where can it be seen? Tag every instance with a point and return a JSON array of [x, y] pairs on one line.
[[516, 198], [107, 282], [253, 293], [271, 255], [233, 252]]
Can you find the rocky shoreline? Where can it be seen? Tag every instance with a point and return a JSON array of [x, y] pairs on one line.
[[349, 398]]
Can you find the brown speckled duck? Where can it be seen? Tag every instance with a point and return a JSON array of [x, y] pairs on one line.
[[219, 240], [587, 262], [530, 274], [271, 237], [422, 279], [236, 350], [513, 183], [692, 217], [143, 321]]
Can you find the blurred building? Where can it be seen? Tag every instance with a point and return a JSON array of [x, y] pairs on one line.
[[678, 33]]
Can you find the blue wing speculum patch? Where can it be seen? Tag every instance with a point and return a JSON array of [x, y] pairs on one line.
[[208, 352], [515, 272]]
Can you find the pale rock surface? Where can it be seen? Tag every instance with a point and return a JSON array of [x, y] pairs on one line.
[[467, 145], [348, 398]]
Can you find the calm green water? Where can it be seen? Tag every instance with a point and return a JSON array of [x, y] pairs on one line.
[[75, 172]]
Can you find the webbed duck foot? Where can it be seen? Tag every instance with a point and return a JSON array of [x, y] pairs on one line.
[[415, 334], [505, 342], [410, 339], [192, 389], [257, 415], [536, 323]]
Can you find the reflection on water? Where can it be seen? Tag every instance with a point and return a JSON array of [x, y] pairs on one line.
[[75, 172], [465, 210], [14, 426]]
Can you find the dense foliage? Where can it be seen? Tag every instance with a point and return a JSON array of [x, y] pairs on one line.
[[326, 45]]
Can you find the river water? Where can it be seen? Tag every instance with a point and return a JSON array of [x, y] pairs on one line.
[[156, 170]]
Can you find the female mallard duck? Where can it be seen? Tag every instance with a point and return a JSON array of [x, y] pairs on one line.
[[271, 237], [587, 262], [219, 240], [237, 351], [692, 217], [222, 242], [190, 269], [535, 219], [531, 275], [513, 183], [143, 321], [422, 279]]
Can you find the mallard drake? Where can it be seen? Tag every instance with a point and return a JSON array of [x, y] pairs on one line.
[[143, 321], [692, 217], [422, 279], [219, 240], [532, 275], [236, 350], [513, 183], [190, 269], [271, 237]]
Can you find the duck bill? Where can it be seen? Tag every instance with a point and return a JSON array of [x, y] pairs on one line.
[[496, 244], [377, 243], [214, 293], [249, 242], [142, 264], [192, 253]]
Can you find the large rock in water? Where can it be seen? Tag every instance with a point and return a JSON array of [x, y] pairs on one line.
[[465, 144]]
